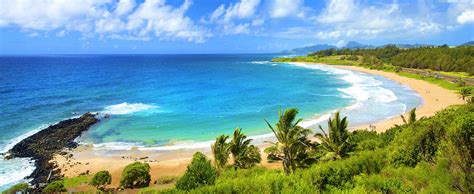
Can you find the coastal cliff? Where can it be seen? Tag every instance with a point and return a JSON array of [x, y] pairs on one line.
[[42, 146]]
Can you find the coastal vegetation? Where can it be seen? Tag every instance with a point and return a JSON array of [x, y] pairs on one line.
[[136, 175], [55, 187], [432, 154], [443, 66], [429, 155], [438, 58], [243, 153], [293, 147], [336, 143], [199, 173], [101, 179]]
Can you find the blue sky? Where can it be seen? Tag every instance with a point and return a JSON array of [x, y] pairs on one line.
[[230, 26]]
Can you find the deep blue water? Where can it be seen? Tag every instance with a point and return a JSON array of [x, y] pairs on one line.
[[157, 100]]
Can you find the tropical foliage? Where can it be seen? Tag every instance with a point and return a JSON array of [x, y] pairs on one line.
[[430, 155], [55, 187], [292, 147], [465, 93], [199, 173], [337, 140], [221, 150], [244, 154], [101, 179], [135, 175], [411, 117]]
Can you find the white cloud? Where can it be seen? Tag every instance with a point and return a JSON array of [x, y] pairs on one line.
[[165, 22], [46, 14], [237, 29], [258, 22], [462, 11], [466, 17], [124, 7], [338, 11], [62, 33], [284, 8], [352, 19], [105, 18], [229, 20], [239, 10]]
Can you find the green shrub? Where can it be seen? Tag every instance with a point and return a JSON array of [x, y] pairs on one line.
[[339, 174], [135, 175], [20, 187], [424, 178], [366, 140], [420, 141], [101, 179], [56, 186], [200, 172], [458, 149]]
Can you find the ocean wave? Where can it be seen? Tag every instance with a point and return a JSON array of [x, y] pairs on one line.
[[264, 63], [14, 171], [317, 120], [260, 62], [363, 86], [126, 108], [12, 142]]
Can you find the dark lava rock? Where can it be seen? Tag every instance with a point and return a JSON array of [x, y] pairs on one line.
[[42, 146]]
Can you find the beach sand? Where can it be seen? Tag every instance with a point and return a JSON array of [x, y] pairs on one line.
[[174, 163]]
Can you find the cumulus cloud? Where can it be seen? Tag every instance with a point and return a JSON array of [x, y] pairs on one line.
[[462, 11], [338, 11], [352, 19], [466, 17], [124, 7], [284, 8], [234, 18], [106, 18]]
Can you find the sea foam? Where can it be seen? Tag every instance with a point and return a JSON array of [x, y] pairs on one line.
[[14, 171], [365, 89], [126, 108]]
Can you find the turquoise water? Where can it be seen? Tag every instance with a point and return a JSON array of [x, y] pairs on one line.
[[178, 101]]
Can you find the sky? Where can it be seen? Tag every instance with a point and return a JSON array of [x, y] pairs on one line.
[[227, 26]]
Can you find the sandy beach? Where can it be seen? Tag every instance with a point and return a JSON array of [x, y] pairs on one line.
[[173, 163]]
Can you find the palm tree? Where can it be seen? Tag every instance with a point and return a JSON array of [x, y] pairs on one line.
[[412, 117], [244, 154], [464, 93], [292, 143], [220, 150], [336, 141]]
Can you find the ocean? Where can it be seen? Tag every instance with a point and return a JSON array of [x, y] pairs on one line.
[[167, 102]]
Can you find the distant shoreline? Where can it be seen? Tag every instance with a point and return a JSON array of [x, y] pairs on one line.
[[173, 163], [435, 98]]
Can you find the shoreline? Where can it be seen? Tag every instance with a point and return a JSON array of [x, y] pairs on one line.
[[435, 98], [174, 162]]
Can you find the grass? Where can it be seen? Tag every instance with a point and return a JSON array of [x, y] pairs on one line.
[[456, 74], [335, 60], [440, 82], [76, 181]]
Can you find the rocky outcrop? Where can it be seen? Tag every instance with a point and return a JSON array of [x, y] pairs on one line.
[[42, 146]]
